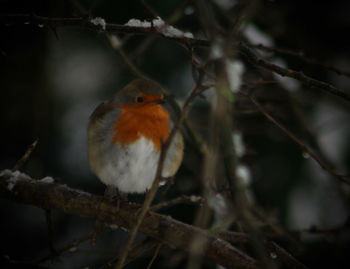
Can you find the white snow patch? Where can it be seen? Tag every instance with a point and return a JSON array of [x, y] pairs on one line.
[[113, 226], [226, 4], [273, 255], [158, 22], [195, 198], [189, 10], [238, 144], [99, 21], [47, 180], [161, 27], [243, 174], [333, 131], [255, 36], [303, 211], [6, 173], [234, 71], [216, 51], [13, 177], [218, 204], [138, 23], [123, 229], [115, 41], [188, 35], [11, 184], [290, 84], [169, 30], [73, 249]]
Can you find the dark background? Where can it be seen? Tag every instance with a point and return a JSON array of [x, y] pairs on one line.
[[51, 80]]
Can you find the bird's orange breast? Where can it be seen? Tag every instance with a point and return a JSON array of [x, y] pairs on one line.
[[150, 121]]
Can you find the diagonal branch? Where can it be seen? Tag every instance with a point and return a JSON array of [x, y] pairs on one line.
[[322, 163], [152, 192], [311, 82], [86, 23], [300, 55], [187, 41], [22, 189]]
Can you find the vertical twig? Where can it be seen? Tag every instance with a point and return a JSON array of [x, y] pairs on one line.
[[154, 256], [26, 156], [298, 141], [152, 192]]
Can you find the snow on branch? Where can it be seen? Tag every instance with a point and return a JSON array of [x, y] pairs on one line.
[[42, 193], [161, 27], [99, 21]]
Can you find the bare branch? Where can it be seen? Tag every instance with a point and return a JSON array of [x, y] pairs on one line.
[[26, 156], [311, 82], [170, 231], [323, 164], [300, 55], [181, 199], [86, 23], [154, 256], [187, 41], [152, 192], [279, 253]]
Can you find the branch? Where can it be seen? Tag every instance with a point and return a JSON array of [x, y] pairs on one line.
[[181, 199], [322, 163], [21, 188], [311, 82], [187, 41], [152, 192], [26, 156], [86, 23], [275, 251], [300, 55]]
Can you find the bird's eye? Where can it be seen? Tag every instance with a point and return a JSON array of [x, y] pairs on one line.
[[139, 99]]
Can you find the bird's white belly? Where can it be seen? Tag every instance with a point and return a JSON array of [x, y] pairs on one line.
[[134, 169]]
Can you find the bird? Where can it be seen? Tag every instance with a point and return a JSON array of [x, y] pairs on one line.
[[125, 137]]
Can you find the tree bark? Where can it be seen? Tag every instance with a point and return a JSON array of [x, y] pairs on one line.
[[83, 204]]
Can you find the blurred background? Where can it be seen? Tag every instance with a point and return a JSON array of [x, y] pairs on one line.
[[52, 79]]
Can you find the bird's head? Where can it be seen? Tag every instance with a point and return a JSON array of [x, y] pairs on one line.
[[139, 93]]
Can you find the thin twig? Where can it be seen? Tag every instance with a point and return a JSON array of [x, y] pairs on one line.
[[26, 156], [152, 192], [304, 148], [181, 199], [154, 256], [187, 41], [172, 232], [279, 253], [311, 82], [275, 251], [300, 55], [117, 46], [84, 22], [149, 8]]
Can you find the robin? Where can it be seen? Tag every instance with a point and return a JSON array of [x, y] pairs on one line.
[[125, 137]]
